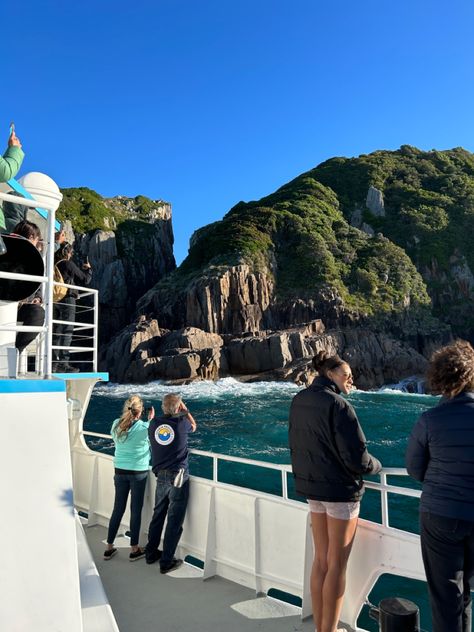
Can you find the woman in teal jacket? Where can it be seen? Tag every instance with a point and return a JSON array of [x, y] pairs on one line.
[[132, 460]]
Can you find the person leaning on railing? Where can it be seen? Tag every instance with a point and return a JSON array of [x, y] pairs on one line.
[[30, 312], [440, 454], [328, 457], [65, 309], [169, 461], [131, 461]]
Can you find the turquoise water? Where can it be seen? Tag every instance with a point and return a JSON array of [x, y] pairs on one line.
[[251, 420]]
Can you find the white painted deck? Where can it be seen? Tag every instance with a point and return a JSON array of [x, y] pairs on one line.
[[144, 600]]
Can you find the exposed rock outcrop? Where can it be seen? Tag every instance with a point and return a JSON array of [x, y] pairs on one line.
[[375, 202], [232, 300], [143, 352]]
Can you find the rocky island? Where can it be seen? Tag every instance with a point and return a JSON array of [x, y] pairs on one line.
[[371, 256]]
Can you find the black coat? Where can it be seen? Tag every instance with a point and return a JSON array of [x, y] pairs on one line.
[[72, 275], [327, 445], [440, 454]]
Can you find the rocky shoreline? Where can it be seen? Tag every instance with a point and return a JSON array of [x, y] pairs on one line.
[[143, 352]]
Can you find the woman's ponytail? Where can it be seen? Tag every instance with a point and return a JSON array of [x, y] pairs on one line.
[[131, 409]]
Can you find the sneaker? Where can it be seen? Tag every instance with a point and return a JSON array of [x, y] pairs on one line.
[[65, 368], [109, 553], [68, 368], [136, 555], [171, 566], [153, 556]]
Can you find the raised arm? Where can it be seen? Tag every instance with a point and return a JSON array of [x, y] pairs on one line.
[[188, 416], [11, 161]]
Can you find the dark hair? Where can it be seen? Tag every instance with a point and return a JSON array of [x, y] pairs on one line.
[[27, 229], [451, 369], [63, 252], [324, 361]]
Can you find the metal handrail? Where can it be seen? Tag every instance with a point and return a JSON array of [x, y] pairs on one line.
[[383, 487]]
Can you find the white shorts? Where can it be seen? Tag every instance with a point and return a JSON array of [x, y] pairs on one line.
[[342, 511]]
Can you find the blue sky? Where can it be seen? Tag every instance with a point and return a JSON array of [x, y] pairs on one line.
[[207, 103]]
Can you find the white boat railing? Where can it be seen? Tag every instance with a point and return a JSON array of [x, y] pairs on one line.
[[381, 486], [259, 539], [85, 334]]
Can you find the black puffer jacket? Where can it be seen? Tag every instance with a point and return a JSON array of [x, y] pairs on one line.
[[441, 454], [327, 445], [72, 275]]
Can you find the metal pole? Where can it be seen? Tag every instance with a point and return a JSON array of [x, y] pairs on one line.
[[95, 332], [49, 295], [384, 499]]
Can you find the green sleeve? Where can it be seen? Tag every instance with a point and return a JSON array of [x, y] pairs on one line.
[[10, 163]]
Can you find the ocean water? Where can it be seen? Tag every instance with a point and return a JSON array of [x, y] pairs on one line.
[[251, 420]]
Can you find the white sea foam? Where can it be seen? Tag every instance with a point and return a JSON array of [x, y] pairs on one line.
[[392, 390], [197, 390]]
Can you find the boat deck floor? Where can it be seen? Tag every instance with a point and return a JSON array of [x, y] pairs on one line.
[[144, 600]]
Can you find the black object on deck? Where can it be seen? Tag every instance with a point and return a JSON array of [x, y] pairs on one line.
[[397, 615], [24, 258]]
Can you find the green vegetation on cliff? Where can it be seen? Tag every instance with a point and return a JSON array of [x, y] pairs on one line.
[[301, 236], [84, 208], [87, 210], [428, 200]]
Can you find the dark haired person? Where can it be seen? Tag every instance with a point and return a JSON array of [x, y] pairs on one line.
[[65, 310], [328, 457], [440, 454], [169, 461], [131, 461], [30, 312]]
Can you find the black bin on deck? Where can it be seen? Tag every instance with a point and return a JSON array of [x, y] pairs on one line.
[[23, 258], [397, 615]]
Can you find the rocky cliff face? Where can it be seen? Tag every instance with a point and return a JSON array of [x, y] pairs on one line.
[[126, 260]]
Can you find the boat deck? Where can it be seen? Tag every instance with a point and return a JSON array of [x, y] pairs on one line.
[[144, 600]]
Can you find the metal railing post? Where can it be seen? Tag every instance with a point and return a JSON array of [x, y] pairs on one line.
[[95, 331], [214, 469], [384, 499], [284, 484], [48, 365]]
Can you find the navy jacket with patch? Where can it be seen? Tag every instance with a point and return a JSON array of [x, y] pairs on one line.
[[169, 443]]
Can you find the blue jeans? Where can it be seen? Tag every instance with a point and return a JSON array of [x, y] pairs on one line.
[[125, 483], [447, 546], [172, 501]]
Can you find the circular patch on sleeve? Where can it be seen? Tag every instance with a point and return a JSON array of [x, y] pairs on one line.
[[164, 434]]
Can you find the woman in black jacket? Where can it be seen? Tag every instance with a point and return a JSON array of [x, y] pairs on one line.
[[65, 309], [440, 454], [329, 456]]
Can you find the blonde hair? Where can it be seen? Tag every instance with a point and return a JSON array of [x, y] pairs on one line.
[[171, 403], [132, 407]]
